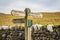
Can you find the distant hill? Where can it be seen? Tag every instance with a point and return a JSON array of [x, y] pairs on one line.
[[1, 13]]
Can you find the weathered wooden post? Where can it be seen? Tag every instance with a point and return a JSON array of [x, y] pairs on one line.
[[27, 11]]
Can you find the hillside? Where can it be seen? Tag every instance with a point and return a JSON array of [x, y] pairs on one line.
[[48, 18]]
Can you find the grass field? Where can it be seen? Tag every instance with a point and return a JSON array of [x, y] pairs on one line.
[[48, 18]]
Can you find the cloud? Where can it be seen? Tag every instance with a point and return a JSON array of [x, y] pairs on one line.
[[22, 5], [34, 5]]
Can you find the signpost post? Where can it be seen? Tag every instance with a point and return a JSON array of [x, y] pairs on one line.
[[27, 11]]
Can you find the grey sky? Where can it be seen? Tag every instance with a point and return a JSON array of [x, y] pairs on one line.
[[35, 5]]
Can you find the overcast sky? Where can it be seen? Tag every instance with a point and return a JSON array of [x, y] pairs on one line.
[[35, 5]]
